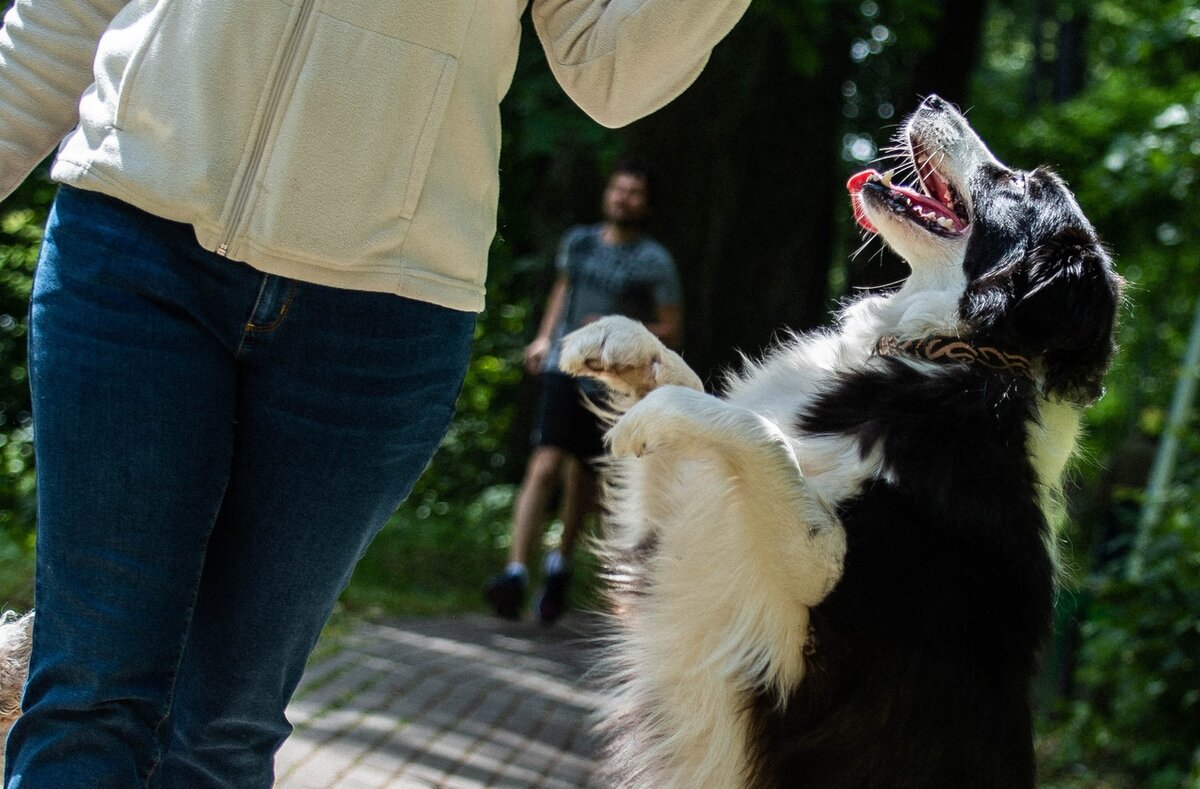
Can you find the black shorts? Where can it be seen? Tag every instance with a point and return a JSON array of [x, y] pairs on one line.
[[564, 421]]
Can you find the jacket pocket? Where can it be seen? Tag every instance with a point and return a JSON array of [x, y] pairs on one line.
[[131, 36], [352, 144], [177, 86]]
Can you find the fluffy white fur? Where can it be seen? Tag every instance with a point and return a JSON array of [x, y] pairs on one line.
[[15, 637]]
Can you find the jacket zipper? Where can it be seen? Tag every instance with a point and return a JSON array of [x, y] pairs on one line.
[[286, 62]]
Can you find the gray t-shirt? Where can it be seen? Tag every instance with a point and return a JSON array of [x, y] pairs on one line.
[[633, 279]]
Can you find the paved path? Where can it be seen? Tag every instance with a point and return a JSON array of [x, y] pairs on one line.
[[456, 703]]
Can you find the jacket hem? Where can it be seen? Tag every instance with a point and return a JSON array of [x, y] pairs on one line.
[[395, 279]]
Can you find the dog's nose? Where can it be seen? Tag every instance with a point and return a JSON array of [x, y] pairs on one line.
[[935, 102]]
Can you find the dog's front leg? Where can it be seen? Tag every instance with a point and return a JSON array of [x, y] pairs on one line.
[[624, 355], [773, 531]]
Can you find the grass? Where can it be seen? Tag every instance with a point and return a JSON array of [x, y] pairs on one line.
[[433, 559], [16, 572]]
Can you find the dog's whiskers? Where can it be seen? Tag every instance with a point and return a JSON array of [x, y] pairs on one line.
[[884, 286], [866, 243]]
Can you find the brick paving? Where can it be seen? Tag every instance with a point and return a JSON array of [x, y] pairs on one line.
[[458, 703]]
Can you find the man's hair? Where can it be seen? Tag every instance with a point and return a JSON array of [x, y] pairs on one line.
[[640, 169]]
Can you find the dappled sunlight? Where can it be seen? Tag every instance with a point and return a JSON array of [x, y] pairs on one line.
[[460, 702]]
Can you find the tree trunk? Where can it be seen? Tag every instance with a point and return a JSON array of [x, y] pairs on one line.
[[949, 65], [1070, 67], [748, 162]]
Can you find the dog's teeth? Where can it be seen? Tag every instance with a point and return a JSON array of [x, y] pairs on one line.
[[888, 176], [946, 223]]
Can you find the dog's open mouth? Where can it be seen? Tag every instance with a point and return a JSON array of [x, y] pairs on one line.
[[931, 203]]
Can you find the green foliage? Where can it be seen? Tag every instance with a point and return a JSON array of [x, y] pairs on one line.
[[476, 452], [434, 561], [1137, 722], [1137, 717], [1130, 147], [21, 220]]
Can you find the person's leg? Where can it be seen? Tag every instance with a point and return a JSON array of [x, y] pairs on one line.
[[342, 398], [133, 403], [505, 591], [542, 475], [579, 501], [579, 484], [582, 436]]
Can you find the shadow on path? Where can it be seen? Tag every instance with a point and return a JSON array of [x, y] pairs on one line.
[[460, 702]]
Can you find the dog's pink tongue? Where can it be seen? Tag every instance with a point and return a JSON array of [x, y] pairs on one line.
[[854, 186]]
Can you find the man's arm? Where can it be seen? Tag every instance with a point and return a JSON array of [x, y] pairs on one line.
[[535, 352]]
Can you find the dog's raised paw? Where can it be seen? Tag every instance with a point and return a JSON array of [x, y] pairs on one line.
[[617, 350], [630, 436], [665, 417]]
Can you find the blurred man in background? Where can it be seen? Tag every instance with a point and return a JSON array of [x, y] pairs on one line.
[[609, 268]]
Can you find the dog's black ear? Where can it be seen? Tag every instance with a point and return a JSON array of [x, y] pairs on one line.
[[988, 300], [1064, 311]]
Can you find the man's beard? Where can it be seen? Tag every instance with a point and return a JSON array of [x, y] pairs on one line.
[[630, 224]]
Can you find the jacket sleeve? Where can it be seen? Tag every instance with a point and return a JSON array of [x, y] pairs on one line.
[[621, 60], [46, 53]]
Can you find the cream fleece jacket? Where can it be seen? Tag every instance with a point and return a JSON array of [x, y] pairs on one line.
[[352, 143]]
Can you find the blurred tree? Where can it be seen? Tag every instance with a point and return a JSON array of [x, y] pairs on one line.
[[21, 222]]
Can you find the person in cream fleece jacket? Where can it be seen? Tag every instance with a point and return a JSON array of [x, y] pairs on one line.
[[250, 321]]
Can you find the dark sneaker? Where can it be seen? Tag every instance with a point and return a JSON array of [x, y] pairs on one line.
[[506, 594], [552, 603]]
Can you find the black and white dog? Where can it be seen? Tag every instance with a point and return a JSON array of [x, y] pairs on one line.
[[839, 573]]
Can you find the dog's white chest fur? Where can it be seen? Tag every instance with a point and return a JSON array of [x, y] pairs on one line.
[[733, 510]]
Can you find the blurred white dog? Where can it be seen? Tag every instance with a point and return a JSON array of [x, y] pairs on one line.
[[16, 633]]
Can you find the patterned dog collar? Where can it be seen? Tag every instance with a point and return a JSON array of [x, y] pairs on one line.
[[953, 349]]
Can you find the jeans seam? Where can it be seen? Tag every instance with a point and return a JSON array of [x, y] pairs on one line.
[[165, 712], [251, 326], [262, 287]]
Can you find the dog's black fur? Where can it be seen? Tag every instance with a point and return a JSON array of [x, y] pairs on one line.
[[922, 654]]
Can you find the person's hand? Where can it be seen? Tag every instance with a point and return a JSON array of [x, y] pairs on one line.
[[535, 354]]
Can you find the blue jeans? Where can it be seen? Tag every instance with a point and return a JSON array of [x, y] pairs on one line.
[[215, 449]]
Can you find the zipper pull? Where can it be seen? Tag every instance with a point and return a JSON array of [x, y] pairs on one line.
[[223, 250]]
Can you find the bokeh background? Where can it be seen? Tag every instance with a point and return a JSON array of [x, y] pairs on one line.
[[751, 164]]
